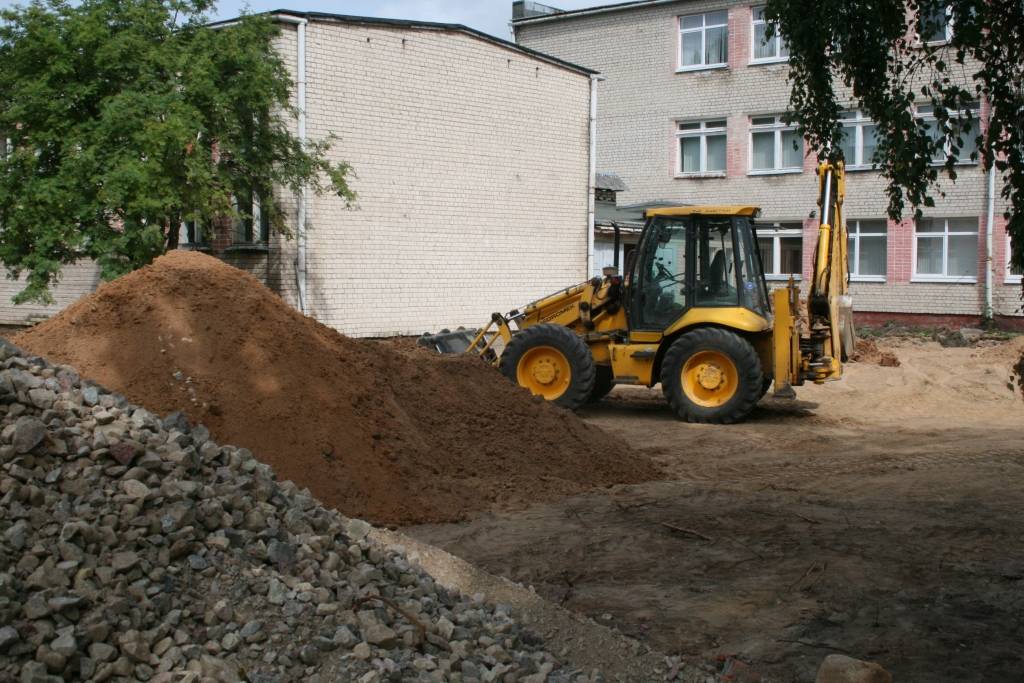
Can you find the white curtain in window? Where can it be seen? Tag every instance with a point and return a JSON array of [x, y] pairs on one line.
[[691, 155], [763, 151], [717, 45], [792, 149], [963, 255], [716, 152]]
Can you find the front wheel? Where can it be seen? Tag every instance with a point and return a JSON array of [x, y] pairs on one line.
[[711, 375], [551, 361]]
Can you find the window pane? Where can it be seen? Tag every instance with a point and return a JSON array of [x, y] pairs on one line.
[[763, 49], [783, 48], [716, 274], [969, 135], [716, 153], [712, 18], [870, 143], [791, 255], [762, 121], [690, 126], [932, 23], [691, 49], [963, 255], [690, 155], [758, 14], [933, 131], [931, 225], [715, 124], [963, 224], [695, 21], [929, 255], [763, 151], [765, 246], [878, 226], [849, 145], [872, 256], [792, 149], [717, 51]]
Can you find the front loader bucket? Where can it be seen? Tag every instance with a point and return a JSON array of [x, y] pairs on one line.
[[447, 341]]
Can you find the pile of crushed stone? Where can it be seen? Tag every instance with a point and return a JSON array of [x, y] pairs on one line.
[[383, 432], [867, 351], [136, 548]]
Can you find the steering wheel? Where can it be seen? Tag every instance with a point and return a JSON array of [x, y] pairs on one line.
[[666, 276]]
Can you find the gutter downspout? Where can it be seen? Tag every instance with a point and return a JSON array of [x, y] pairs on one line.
[[592, 183], [990, 219], [300, 82]]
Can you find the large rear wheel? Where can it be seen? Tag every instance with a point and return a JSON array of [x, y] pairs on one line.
[[551, 361], [604, 382], [711, 375]]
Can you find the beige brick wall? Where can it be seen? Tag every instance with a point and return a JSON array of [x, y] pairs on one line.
[[643, 96], [75, 280], [472, 168]]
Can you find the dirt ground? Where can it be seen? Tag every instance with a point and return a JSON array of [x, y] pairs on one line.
[[881, 517]]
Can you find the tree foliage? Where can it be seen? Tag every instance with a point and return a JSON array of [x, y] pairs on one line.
[[875, 55], [125, 118]]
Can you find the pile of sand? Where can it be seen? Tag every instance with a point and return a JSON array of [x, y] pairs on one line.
[[379, 431], [867, 351]]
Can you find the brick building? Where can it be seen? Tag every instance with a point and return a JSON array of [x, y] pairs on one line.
[[472, 160], [691, 111]]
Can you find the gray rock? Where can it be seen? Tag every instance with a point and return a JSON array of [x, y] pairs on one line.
[[8, 636], [29, 432], [124, 561], [66, 644], [379, 634], [102, 652], [41, 398]]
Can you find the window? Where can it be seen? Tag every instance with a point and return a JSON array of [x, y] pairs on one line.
[[252, 225], [701, 147], [782, 250], [1013, 273], [764, 49], [934, 23], [867, 249], [704, 41], [963, 125], [775, 147], [193, 235], [946, 249], [860, 140]]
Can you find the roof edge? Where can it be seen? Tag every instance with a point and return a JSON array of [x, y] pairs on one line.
[[586, 11], [423, 25]]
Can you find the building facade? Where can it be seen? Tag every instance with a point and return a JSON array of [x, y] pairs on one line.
[[691, 111], [472, 164]]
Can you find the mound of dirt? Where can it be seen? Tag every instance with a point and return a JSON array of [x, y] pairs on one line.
[[867, 351], [379, 431]]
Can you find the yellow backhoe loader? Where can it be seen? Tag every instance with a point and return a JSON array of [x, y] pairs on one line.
[[692, 312]]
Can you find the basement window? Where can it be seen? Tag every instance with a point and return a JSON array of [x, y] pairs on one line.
[[252, 226]]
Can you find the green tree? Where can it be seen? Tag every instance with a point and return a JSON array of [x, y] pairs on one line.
[[890, 56], [125, 118]]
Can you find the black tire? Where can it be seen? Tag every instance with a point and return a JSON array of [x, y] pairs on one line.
[[604, 381], [766, 384], [569, 345], [750, 380]]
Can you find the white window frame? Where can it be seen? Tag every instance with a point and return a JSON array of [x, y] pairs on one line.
[[858, 123], [945, 235], [702, 132], [777, 39], [1011, 278], [949, 28], [776, 232], [703, 41], [926, 113], [778, 127], [854, 256]]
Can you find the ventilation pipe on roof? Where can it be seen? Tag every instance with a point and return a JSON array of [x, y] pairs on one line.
[[300, 82]]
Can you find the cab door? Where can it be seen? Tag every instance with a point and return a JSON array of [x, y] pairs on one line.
[[662, 287]]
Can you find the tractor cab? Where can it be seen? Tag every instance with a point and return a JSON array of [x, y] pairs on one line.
[[692, 258]]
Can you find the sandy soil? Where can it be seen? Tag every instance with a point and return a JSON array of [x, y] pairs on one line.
[[881, 516]]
